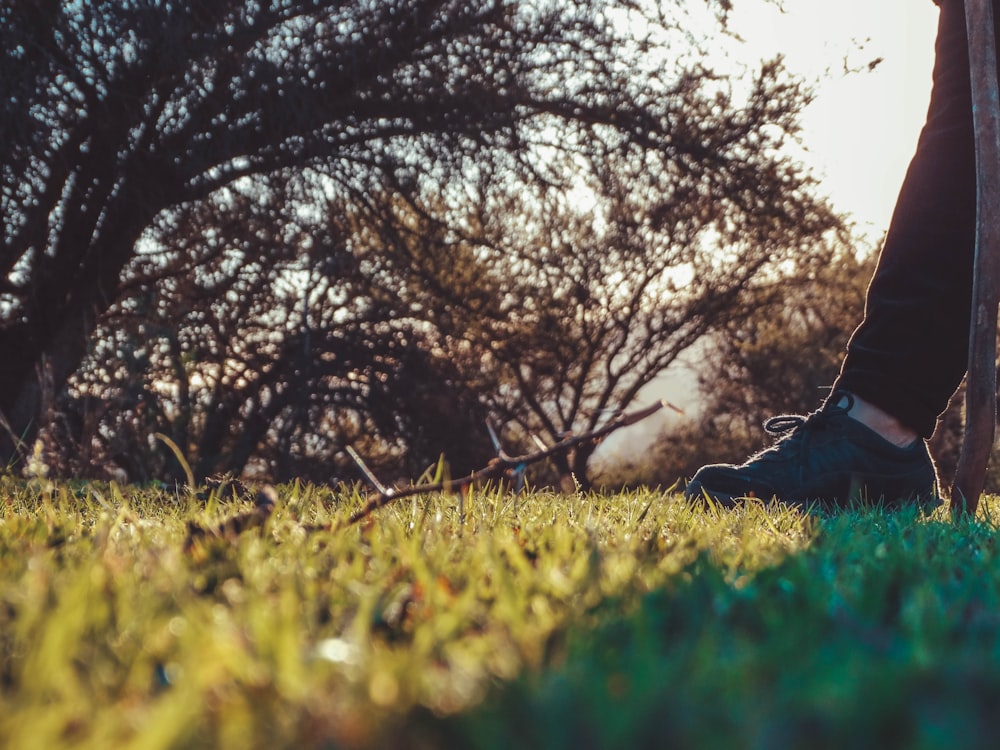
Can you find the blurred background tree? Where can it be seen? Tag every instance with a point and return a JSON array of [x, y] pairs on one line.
[[271, 230], [781, 359]]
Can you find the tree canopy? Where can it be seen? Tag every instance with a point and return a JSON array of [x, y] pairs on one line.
[[271, 229]]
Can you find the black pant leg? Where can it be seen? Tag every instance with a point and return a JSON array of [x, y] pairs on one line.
[[911, 350]]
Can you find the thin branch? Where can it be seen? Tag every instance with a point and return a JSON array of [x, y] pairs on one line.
[[498, 467]]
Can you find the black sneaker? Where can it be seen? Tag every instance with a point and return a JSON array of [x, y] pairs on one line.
[[828, 459]]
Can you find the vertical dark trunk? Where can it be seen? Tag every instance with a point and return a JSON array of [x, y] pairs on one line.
[[40, 353], [581, 459], [36, 365], [572, 469]]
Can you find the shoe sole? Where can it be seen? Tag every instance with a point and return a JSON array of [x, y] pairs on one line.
[[696, 491]]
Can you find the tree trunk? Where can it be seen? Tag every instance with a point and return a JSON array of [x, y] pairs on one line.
[[43, 350], [572, 469]]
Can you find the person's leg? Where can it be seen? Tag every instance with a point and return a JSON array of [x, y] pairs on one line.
[[909, 354]]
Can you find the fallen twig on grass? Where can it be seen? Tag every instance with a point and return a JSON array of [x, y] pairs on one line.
[[502, 466]]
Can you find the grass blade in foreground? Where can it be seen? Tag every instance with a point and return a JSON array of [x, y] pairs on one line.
[[885, 632], [629, 619]]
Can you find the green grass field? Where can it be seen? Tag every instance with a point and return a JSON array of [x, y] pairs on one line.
[[543, 620]]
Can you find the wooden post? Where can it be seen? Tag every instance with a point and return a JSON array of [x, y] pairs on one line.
[[981, 399]]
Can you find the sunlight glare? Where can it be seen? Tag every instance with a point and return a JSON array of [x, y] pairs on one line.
[[860, 132]]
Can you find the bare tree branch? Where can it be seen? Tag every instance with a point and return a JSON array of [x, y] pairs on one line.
[[497, 468]]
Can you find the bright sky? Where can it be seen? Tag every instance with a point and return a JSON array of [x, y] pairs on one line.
[[861, 130]]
